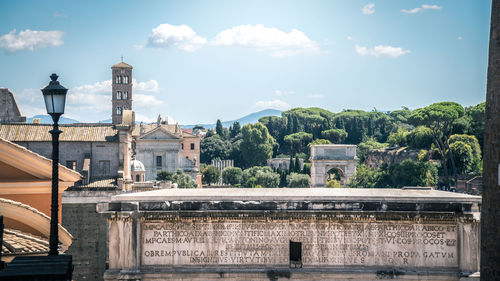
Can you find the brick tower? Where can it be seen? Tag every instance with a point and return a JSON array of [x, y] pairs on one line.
[[121, 90]]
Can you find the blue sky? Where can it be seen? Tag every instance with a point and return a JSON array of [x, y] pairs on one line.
[[197, 61]]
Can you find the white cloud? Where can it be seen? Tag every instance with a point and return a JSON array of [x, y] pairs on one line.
[[368, 9], [148, 86], [96, 98], [349, 38], [361, 50], [421, 9], [142, 101], [381, 51], [277, 104], [316, 96], [60, 15], [460, 38], [97, 87], [283, 93], [431, 7], [273, 40], [143, 118], [411, 11], [30, 40], [180, 36]]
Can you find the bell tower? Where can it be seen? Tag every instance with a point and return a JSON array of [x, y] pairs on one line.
[[121, 90]]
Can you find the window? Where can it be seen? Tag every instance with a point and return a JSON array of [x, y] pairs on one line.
[[117, 80], [192, 146], [119, 111], [118, 95], [125, 95], [71, 164], [182, 146], [295, 254], [104, 167], [125, 78], [137, 178], [158, 161]]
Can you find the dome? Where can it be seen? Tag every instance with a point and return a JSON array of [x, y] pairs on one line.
[[137, 166]]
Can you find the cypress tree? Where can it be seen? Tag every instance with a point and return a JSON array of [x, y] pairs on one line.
[[297, 165]]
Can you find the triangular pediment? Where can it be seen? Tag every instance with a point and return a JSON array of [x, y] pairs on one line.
[[159, 133]]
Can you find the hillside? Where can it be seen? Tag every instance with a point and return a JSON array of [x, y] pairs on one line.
[[46, 119], [250, 118]]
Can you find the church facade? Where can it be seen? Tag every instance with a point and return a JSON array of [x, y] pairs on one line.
[[164, 146]]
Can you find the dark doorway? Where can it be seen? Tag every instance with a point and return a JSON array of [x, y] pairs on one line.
[[295, 254]]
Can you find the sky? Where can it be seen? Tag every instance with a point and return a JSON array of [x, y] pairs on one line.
[[199, 61]]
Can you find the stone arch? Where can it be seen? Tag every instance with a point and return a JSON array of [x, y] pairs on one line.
[[332, 156], [338, 171]]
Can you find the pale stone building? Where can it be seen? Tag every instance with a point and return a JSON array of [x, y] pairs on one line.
[[332, 158], [9, 110], [163, 146]]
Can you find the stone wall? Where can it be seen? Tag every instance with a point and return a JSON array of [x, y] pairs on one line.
[[89, 228], [341, 233], [78, 151], [9, 110], [376, 157], [89, 249]]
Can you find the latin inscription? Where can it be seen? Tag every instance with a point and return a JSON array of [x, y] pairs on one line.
[[324, 243]]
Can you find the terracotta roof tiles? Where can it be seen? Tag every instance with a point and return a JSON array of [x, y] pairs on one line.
[[16, 243], [122, 64], [73, 132]]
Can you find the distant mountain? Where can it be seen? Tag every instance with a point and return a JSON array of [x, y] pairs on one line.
[[109, 121], [248, 119], [46, 119]]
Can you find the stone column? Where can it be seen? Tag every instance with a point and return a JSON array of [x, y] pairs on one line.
[[123, 248], [490, 209], [125, 149]]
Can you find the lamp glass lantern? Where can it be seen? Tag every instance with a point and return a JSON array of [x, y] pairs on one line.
[[55, 97]]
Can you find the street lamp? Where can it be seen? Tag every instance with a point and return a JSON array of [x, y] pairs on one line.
[[55, 98]]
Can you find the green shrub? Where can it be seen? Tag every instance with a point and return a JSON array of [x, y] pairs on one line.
[[298, 180]]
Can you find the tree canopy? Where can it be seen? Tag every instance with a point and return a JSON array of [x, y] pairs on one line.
[[256, 145], [440, 117]]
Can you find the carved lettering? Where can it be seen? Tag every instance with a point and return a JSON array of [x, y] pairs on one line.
[[324, 243]]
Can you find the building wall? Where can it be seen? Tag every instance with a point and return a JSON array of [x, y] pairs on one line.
[[170, 151], [71, 151], [192, 154], [89, 249]]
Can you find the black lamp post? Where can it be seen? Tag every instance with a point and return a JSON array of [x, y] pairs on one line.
[[55, 98]]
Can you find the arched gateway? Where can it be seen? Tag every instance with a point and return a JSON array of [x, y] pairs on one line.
[[328, 157]]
